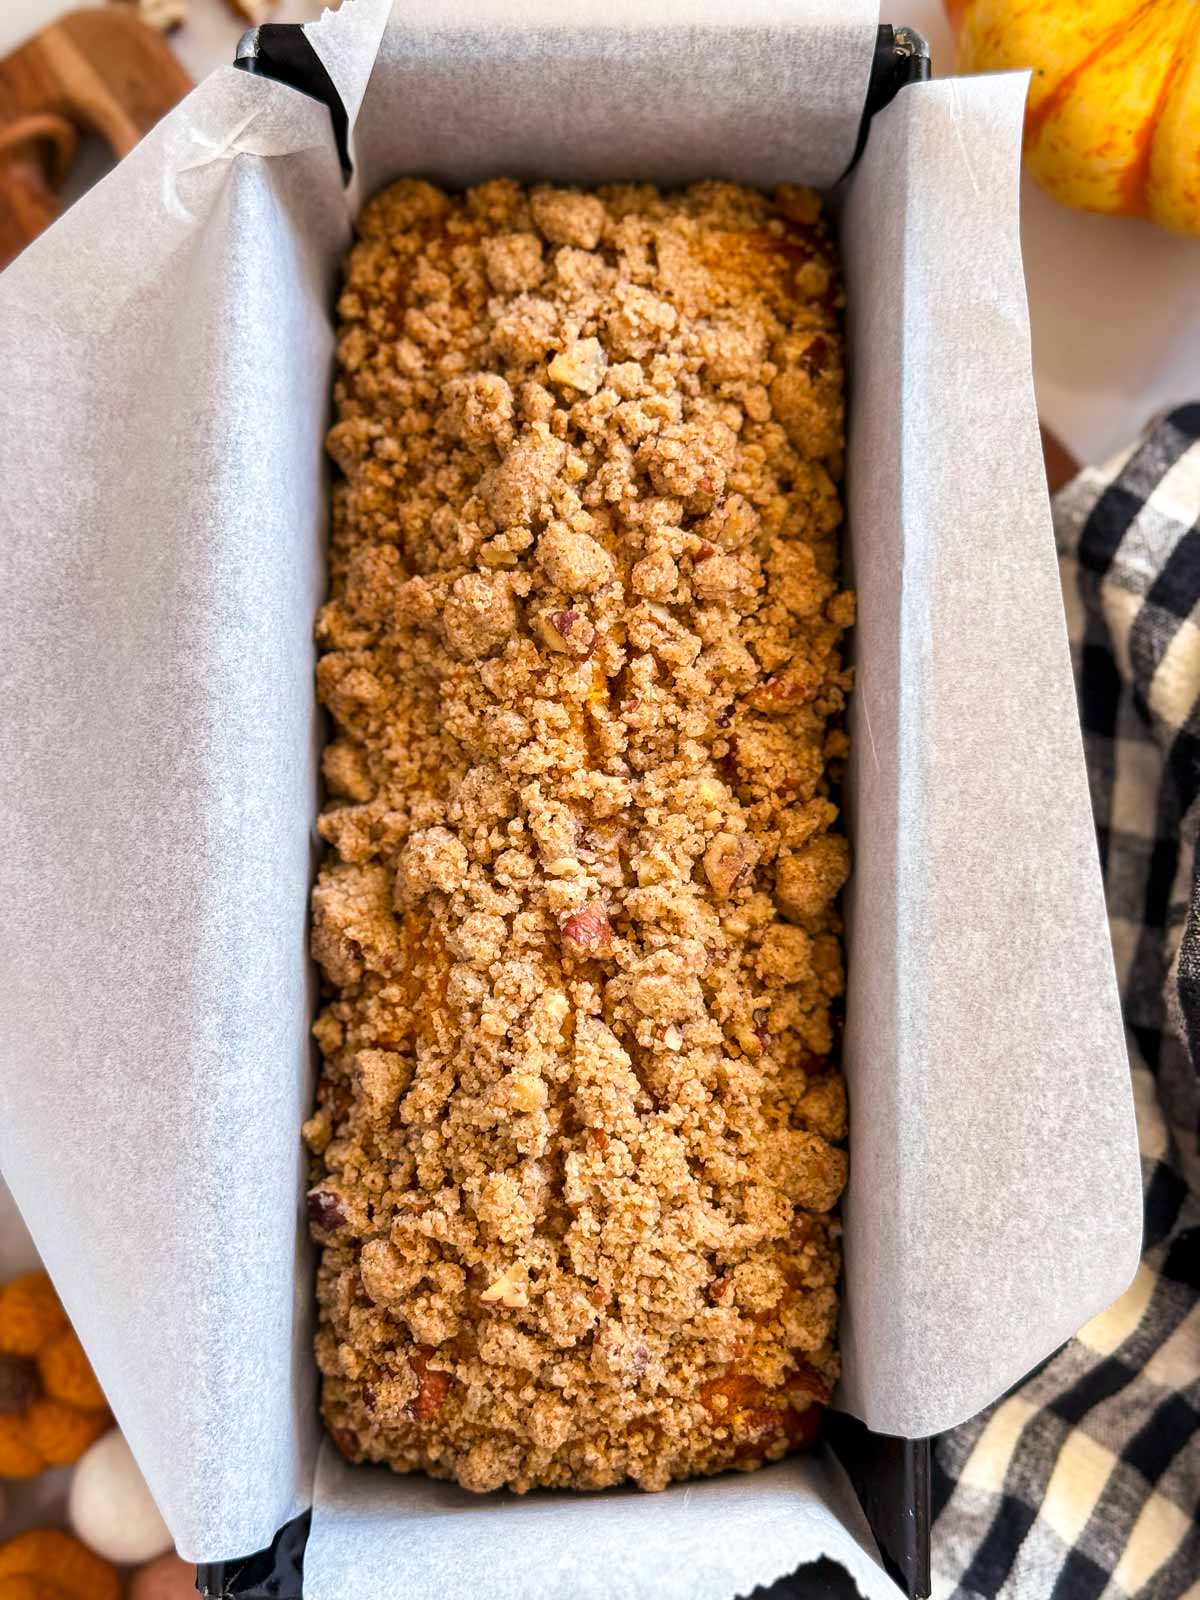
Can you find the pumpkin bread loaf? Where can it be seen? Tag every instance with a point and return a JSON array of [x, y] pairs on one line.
[[576, 1148]]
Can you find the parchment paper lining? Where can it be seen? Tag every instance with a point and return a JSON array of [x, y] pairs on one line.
[[167, 350]]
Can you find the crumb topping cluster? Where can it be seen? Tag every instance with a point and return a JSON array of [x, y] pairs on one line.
[[577, 1140]]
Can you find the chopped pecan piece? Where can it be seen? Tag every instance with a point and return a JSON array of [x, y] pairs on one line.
[[807, 1382], [786, 691], [567, 632], [510, 1289], [325, 1210], [588, 932], [347, 1442], [729, 863], [432, 1386]]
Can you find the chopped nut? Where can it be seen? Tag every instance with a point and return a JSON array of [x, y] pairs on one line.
[[729, 863], [785, 691], [580, 366], [568, 632], [432, 1386], [325, 1210], [526, 1093], [588, 933], [347, 1443], [510, 1289]]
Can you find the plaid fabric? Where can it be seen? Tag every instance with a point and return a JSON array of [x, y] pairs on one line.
[[1084, 1482]]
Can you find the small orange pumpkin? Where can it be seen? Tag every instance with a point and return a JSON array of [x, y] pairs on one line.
[[51, 1407], [47, 1564], [1113, 117]]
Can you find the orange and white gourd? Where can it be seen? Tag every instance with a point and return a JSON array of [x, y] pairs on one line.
[[1113, 118]]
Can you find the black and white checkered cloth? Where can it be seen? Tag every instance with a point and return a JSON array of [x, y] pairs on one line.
[[1084, 1482]]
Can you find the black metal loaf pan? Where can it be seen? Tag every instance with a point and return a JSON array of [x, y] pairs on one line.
[[890, 1476]]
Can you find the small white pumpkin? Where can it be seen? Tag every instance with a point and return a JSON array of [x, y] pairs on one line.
[[110, 1507]]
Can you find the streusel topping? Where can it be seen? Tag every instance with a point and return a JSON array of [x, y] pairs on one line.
[[577, 1141]]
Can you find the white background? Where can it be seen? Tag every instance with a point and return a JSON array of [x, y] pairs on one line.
[[1115, 303]]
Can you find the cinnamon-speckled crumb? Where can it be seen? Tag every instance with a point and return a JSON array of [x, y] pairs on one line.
[[577, 1142]]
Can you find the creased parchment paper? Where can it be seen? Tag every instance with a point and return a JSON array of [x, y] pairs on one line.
[[699, 1541], [615, 94], [166, 350]]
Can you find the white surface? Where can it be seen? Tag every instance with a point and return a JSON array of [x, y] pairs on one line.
[[111, 1509], [1114, 303], [159, 760]]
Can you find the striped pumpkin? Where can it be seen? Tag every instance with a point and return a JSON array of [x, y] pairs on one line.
[[1113, 118]]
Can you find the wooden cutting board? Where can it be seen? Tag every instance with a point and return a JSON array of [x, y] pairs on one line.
[[102, 72]]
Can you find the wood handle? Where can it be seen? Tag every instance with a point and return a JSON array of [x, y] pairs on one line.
[[27, 204], [101, 70], [35, 154]]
